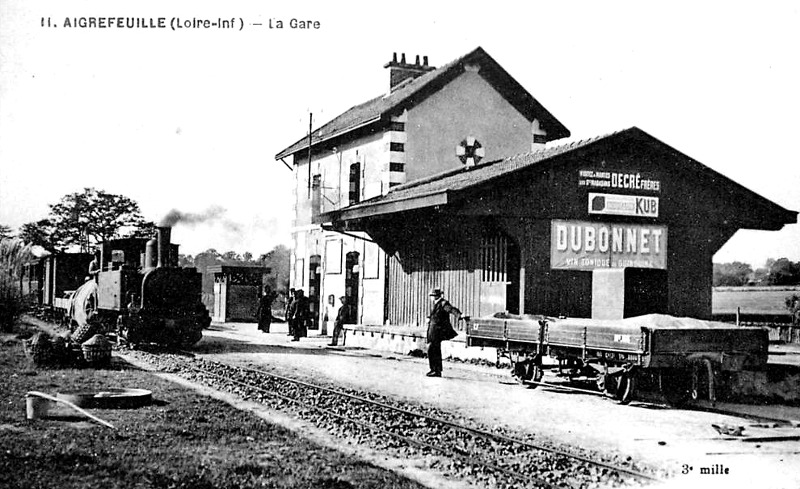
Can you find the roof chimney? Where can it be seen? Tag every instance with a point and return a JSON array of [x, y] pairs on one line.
[[402, 71]]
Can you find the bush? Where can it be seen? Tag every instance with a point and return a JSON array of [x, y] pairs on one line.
[[13, 255], [793, 304]]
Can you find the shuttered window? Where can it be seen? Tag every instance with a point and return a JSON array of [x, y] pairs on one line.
[[355, 183]]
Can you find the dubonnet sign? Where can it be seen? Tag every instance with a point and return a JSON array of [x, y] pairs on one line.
[[581, 245]]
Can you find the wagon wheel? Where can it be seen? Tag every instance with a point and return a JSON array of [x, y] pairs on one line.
[[676, 386], [602, 381], [519, 371], [703, 385], [537, 371], [626, 387]]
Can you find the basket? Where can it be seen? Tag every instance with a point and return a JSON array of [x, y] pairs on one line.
[[39, 349], [97, 350], [84, 333]]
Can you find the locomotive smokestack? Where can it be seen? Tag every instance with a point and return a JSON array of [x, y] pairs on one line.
[[163, 233]]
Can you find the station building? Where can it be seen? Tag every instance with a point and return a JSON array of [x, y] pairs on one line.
[[455, 179], [237, 290]]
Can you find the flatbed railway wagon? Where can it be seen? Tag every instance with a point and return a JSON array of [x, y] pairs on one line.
[[684, 357]]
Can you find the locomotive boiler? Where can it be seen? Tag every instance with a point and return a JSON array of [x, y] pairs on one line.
[[142, 294]]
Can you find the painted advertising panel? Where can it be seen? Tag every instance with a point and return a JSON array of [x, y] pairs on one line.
[[582, 245], [623, 205], [618, 180]]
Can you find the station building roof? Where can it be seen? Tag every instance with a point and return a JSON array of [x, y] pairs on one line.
[[446, 188], [380, 109]]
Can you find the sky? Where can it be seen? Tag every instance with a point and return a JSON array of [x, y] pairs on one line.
[[191, 119]]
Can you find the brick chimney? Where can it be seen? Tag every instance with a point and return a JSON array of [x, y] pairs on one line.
[[402, 71]]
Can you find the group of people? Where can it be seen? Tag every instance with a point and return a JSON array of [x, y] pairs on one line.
[[298, 315]]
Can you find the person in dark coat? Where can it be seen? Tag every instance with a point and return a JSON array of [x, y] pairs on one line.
[[439, 329], [264, 311], [289, 311], [344, 316], [300, 314]]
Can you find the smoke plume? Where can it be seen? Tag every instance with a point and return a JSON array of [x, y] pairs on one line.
[[212, 215]]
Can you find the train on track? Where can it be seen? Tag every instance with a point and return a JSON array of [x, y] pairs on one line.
[[138, 292], [683, 358]]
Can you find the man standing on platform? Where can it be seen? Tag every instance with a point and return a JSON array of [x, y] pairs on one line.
[[264, 311], [300, 315], [289, 311], [344, 316], [439, 329]]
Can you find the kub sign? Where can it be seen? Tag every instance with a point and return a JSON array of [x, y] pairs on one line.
[[623, 205]]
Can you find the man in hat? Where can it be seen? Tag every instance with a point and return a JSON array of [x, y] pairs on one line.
[[290, 311], [264, 311], [344, 316], [439, 329], [300, 315]]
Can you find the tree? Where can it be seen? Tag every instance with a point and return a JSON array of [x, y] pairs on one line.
[[13, 255], [783, 272], [39, 233], [146, 229], [732, 274], [278, 261], [5, 232], [793, 304], [185, 260], [92, 216], [231, 258]]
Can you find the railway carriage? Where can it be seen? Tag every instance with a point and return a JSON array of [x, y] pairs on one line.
[[684, 356]]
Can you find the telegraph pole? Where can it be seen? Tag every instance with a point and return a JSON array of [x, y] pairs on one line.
[[310, 118]]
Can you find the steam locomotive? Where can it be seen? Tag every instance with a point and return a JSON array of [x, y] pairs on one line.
[[139, 292]]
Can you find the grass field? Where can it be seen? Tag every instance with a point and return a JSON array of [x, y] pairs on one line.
[[182, 441], [751, 300]]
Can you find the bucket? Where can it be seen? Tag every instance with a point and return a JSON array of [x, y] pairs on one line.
[[37, 407]]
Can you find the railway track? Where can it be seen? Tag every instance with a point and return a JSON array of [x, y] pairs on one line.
[[781, 415], [474, 453]]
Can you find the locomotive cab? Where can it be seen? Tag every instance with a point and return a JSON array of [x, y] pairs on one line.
[[167, 308]]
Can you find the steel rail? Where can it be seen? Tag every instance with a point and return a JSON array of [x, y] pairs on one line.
[[461, 427], [702, 405], [373, 427]]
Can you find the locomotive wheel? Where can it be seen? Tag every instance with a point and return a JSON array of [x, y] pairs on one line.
[[626, 387], [189, 338]]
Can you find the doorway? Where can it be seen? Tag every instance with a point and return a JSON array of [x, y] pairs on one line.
[[351, 282], [313, 289], [500, 277]]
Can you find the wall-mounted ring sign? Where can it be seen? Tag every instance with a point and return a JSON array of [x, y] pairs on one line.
[[470, 151]]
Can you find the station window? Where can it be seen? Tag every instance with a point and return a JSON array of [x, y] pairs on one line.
[[355, 183], [494, 258]]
